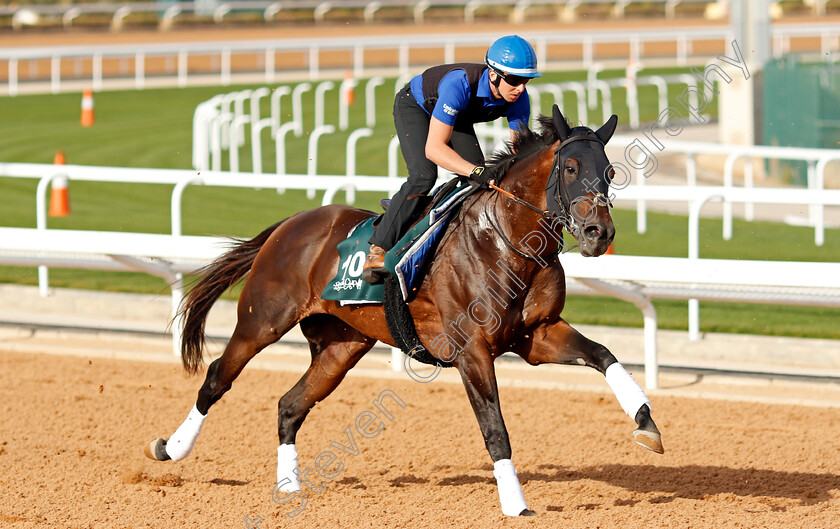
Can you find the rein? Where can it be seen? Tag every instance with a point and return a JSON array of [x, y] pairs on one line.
[[545, 213], [494, 222]]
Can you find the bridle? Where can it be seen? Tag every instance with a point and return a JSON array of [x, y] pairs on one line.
[[578, 189], [564, 211]]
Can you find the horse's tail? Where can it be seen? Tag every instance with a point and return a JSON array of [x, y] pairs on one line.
[[218, 276]]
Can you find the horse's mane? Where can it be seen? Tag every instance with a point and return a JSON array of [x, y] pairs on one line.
[[526, 142]]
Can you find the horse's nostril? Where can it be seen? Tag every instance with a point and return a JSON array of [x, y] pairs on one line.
[[592, 232]]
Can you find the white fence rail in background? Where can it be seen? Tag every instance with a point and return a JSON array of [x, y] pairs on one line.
[[218, 11], [818, 160], [639, 279], [182, 178], [221, 122], [127, 63], [164, 256], [697, 197], [761, 287], [182, 64], [631, 278], [122, 66]]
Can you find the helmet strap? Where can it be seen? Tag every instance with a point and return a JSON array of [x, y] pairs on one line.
[[498, 80]]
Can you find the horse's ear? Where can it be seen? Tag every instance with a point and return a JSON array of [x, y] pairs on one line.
[[608, 129], [560, 123]]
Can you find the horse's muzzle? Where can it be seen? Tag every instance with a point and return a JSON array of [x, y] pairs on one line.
[[596, 238]]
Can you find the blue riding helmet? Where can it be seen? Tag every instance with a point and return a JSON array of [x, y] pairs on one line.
[[513, 55]]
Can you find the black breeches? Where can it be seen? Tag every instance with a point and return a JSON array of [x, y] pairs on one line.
[[412, 125]]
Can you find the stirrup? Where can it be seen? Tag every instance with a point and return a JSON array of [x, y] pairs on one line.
[[374, 275]]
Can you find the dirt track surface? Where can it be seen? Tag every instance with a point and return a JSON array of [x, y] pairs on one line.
[[73, 430]]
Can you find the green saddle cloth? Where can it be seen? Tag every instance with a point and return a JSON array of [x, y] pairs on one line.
[[407, 261], [348, 286]]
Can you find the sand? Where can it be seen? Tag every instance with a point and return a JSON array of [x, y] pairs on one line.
[[73, 431]]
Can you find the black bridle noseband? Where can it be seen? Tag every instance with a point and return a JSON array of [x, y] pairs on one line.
[[577, 189], [563, 211]]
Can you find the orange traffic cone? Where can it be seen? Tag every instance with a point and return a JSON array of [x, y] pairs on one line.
[[610, 250], [87, 108], [351, 92], [59, 198]]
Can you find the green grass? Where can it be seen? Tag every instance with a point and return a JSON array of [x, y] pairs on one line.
[[743, 318], [153, 128]]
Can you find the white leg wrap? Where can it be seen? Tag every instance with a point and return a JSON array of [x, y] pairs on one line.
[[510, 491], [630, 395], [182, 441], [287, 464]]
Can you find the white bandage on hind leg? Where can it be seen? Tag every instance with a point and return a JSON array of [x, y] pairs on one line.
[[630, 395], [182, 441], [510, 491], [287, 466]]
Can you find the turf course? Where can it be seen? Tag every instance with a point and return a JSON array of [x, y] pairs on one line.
[[152, 128]]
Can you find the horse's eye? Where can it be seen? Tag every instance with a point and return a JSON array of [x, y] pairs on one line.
[[571, 167]]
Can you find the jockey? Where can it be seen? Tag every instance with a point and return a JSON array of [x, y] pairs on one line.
[[434, 116]]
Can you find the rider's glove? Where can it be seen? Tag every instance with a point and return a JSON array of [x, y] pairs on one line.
[[482, 175]]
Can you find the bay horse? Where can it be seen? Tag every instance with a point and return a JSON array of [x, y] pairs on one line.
[[498, 262]]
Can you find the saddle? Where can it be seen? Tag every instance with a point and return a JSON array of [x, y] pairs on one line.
[[407, 261]]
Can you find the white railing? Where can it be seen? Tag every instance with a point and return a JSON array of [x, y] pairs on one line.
[[218, 10], [164, 256], [130, 66], [697, 197], [639, 279], [694, 196], [632, 278], [182, 178], [168, 12], [587, 92], [138, 65], [817, 160], [221, 122]]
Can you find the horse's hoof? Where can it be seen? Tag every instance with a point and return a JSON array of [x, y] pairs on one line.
[[157, 450], [647, 434], [650, 440], [527, 512]]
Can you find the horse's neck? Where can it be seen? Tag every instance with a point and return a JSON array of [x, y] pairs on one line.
[[527, 178], [496, 222], [527, 181]]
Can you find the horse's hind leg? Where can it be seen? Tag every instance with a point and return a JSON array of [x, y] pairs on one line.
[[336, 348], [559, 343], [220, 376], [254, 331]]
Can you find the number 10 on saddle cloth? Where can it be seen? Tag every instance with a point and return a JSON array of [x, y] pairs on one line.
[[407, 261]]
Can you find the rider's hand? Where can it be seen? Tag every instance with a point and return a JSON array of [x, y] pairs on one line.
[[483, 175]]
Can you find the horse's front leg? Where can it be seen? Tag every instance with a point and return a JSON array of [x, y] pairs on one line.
[[479, 378], [559, 343]]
